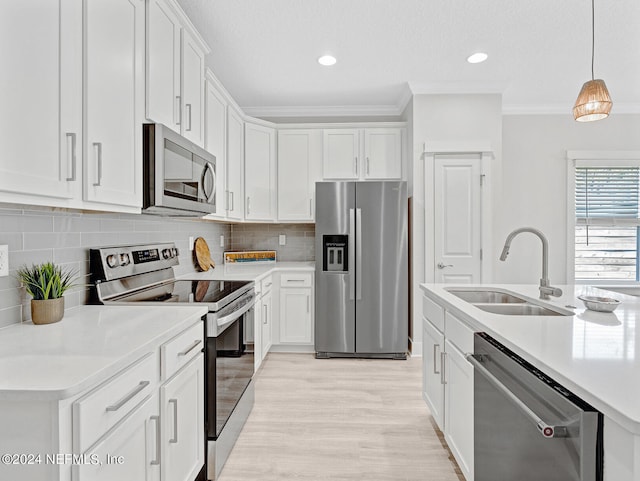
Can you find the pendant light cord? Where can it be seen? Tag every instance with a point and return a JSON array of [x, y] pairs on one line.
[[593, 35]]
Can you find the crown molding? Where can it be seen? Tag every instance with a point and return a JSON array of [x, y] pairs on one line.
[[323, 111]]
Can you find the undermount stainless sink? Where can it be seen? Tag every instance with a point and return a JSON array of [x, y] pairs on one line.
[[506, 303], [522, 310], [487, 297]]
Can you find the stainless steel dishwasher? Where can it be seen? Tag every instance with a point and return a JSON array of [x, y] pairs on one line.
[[527, 427]]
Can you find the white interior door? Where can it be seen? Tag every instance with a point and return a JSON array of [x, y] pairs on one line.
[[457, 205]]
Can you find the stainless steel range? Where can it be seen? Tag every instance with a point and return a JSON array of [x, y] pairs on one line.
[[143, 274]]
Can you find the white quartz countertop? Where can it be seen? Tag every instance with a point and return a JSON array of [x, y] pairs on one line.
[[248, 271], [596, 355], [89, 345]]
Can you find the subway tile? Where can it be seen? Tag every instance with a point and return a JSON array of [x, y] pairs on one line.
[[98, 239], [85, 223], [44, 240], [10, 298], [22, 258], [11, 315], [37, 223], [12, 239], [71, 254], [116, 225], [10, 281], [11, 223]]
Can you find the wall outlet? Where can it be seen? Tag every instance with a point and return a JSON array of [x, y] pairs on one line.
[[221, 240], [282, 240], [4, 261], [191, 242]]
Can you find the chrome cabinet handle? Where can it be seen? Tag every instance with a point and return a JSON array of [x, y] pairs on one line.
[[188, 106], [178, 110], [208, 167], [352, 248], [359, 254], [443, 380], [355, 165], [295, 280], [308, 303], [156, 461], [233, 202], [248, 205], [435, 347], [97, 146], [174, 439], [128, 397], [264, 316], [442, 265], [310, 207], [367, 165], [547, 430], [191, 347], [72, 136]]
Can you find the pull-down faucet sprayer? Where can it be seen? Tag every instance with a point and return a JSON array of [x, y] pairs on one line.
[[545, 289]]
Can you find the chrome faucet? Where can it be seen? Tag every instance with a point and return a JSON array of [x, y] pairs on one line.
[[545, 289]]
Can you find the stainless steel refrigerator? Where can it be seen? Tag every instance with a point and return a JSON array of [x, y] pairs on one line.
[[361, 269]]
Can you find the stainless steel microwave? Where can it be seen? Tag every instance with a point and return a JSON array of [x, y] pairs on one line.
[[179, 177]]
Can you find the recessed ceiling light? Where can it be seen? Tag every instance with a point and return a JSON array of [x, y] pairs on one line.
[[327, 60], [477, 57]]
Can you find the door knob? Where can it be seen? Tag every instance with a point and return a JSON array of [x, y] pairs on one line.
[[442, 266]]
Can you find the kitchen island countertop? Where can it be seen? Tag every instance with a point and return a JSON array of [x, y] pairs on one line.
[[596, 355]]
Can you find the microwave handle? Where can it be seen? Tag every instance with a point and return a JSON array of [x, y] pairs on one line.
[[209, 167]]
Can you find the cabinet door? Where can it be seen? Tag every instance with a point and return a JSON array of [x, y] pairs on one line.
[[266, 324], [432, 377], [295, 316], [215, 142], [130, 452], [182, 411], [192, 90], [235, 165], [340, 154], [41, 97], [257, 336], [163, 64], [383, 153], [259, 172], [114, 71], [299, 156], [458, 394]]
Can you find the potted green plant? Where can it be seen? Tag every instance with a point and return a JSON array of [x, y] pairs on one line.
[[46, 283]]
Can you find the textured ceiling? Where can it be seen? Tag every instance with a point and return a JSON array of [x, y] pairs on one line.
[[265, 51]]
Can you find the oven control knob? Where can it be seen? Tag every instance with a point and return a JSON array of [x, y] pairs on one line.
[[125, 260], [166, 253], [112, 260]]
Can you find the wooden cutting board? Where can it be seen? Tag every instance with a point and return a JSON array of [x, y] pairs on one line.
[[202, 254]]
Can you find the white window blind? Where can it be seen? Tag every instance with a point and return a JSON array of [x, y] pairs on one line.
[[607, 220]]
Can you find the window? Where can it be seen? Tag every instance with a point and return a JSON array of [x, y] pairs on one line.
[[607, 221]]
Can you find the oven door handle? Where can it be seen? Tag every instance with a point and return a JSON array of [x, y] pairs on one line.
[[228, 319], [547, 430]]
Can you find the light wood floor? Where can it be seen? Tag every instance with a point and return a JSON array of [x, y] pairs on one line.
[[339, 420]]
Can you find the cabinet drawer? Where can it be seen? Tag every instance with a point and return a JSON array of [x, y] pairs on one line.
[[181, 349], [265, 285], [295, 280], [99, 410], [458, 333], [433, 313]]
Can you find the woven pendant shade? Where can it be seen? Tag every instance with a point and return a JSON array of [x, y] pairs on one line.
[[593, 102]]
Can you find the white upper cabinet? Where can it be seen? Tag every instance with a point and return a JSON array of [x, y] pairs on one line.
[[114, 70], [215, 142], [341, 154], [260, 172], [362, 154], [41, 97], [299, 167], [382, 154], [235, 165], [175, 70]]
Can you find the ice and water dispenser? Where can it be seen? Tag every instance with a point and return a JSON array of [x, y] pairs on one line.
[[335, 253]]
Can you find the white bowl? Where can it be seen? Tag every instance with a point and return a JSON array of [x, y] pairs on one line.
[[600, 304]]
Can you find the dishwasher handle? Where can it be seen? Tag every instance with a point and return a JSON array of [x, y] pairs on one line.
[[547, 430]]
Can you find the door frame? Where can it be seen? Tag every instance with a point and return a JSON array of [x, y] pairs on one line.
[[485, 156]]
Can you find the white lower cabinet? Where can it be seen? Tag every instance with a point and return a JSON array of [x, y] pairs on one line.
[[296, 308], [447, 381], [182, 429], [131, 452]]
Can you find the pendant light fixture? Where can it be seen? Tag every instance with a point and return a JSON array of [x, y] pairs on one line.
[[593, 102]]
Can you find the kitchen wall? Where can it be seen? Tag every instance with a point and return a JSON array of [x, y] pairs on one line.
[[300, 240], [534, 185], [41, 234]]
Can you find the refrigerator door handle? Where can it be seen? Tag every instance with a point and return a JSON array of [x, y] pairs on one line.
[[352, 244], [358, 254]]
